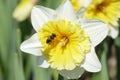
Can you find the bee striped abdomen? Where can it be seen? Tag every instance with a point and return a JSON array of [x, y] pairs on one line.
[[50, 38]]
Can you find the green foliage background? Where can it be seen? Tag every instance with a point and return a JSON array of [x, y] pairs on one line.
[[16, 65]]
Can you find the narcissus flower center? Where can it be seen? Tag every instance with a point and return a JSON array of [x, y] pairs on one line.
[[105, 10], [65, 44]]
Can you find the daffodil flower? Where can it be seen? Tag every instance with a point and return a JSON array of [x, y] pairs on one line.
[[107, 11], [23, 10], [62, 42]]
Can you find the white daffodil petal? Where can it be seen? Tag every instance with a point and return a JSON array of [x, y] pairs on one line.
[[41, 15], [32, 46], [114, 31], [85, 3], [80, 15], [66, 11], [72, 74], [97, 31], [41, 61], [91, 63]]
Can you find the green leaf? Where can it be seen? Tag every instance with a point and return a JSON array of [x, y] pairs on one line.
[[1, 73], [40, 73], [117, 43]]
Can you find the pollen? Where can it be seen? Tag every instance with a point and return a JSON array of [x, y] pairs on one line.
[[67, 46], [104, 10]]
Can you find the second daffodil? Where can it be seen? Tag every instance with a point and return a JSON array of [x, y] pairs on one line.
[[107, 11], [62, 42]]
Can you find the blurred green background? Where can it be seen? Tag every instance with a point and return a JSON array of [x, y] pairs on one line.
[[16, 65]]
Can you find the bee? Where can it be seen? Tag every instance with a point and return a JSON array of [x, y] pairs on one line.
[[50, 38]]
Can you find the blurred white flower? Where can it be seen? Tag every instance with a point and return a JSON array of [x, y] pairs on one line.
[[64, 43], [23, 10]]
